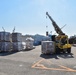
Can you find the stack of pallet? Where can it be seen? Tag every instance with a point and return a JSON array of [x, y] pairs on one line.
[[48, 47], [5, 44], [17, 42]]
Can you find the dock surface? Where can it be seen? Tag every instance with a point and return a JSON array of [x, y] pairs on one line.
[[32, 62]]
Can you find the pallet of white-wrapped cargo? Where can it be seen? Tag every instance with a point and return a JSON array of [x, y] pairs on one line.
[[16, 37], [5, 36], [47, 47], [17, 46], [29, 43], [5, 46]]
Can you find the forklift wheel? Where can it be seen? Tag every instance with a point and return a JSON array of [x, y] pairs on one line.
[[69, 50]]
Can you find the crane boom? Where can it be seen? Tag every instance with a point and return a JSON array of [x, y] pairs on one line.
[[56, 27]]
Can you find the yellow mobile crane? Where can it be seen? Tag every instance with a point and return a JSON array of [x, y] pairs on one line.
[[61, 41]]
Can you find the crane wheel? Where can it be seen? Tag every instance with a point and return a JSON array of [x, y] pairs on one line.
[[69, 50]]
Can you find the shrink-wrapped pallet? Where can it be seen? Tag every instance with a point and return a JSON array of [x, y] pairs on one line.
[[48, 47], [29, 43], [18, 46], [5, 36], [5, 46], [16, 37]]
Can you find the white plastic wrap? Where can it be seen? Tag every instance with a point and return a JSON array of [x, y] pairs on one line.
[[18, 46], [16, 37], [5, 46], [47, 47], [29, 43], [5, 36]]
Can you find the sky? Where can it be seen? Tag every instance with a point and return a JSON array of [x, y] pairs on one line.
[[29, 16]]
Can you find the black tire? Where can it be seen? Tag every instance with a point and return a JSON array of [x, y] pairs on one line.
[[64, 51], [57, 50], [69, 50]]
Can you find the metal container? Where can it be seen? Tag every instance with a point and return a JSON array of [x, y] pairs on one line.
[[5, 36], [16, 37], [18, 46], [48, 47], [5, 46]]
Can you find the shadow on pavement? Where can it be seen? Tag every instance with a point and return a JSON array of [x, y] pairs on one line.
[[13, 52], [56, 56], [49, 56], [66, 55], [27, 50], [7, 53]]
